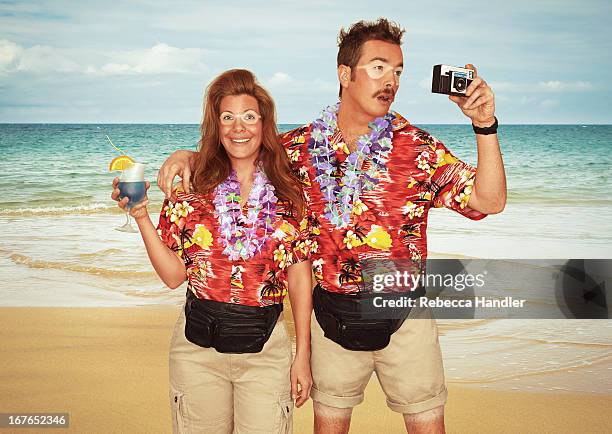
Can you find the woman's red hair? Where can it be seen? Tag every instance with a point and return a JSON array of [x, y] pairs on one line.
[[213, 166]]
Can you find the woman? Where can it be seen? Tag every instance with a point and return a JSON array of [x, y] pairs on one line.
[[240, 240]]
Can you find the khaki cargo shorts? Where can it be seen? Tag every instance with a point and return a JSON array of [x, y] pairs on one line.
[[211, 392], [409, 369]]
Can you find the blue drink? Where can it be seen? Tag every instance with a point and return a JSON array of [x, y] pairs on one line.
[[134, 190], [131, 185]]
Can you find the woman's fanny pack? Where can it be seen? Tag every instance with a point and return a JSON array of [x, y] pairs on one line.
[[228, 327], [353, 322]]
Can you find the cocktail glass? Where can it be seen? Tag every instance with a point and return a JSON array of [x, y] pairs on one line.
[[131, 185]]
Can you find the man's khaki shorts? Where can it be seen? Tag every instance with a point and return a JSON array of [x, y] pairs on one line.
[[212, 392], [409, 369]]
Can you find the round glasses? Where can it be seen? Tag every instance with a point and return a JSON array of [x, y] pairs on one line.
[[249, 117], [377, 69]]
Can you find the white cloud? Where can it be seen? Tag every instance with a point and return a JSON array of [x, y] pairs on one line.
[[279, 79], [549, 103], [44, 59], [9, 55], [559, 86], [542, 86], [159, 59]]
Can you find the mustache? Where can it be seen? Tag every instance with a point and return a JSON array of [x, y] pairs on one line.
[[386, 91]]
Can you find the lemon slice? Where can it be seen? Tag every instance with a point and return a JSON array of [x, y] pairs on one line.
[[121, 162]]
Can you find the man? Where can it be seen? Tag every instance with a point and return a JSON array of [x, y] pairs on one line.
[[371, 178]]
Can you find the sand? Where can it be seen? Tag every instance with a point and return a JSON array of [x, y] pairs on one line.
[[108, 368]]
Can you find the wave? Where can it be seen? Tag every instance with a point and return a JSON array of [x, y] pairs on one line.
[[552, 369], [67, 266], [542, 199], [93, 208], [101, 254], [532, 340]]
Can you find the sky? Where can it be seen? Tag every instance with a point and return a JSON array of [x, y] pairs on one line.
[[146, 61]]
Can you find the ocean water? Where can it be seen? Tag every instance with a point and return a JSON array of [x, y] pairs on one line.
[[58, 246]]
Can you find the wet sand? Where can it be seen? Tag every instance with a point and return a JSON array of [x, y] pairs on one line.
[[108, 368]]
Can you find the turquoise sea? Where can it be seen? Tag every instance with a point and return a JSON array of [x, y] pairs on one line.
[[58, 246], [57, 167]]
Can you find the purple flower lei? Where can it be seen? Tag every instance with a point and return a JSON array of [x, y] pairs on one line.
[[376, 145], [239, 233]]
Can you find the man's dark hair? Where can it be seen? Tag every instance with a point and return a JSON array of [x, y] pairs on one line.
[[351, 41]]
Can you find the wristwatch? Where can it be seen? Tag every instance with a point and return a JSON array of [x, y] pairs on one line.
[[486, 130]]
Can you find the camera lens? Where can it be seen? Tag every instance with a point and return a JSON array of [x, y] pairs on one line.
[[459, 84]]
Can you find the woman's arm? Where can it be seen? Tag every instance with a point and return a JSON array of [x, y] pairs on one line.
[[168, 266], [300, 294]]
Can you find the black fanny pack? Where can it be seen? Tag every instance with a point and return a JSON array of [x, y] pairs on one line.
[[352, 321], [228, 327]]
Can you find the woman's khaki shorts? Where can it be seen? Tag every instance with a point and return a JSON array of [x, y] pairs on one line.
[[409, 369], [211, 392]]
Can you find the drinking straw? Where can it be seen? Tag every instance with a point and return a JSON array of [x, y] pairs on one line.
[[111, 142]]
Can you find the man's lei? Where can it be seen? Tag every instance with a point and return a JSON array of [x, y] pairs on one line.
[[375, 146]]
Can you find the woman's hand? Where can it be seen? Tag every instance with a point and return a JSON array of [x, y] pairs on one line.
[[139, 210], [300, 375]]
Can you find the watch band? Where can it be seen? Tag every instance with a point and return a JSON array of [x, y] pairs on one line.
[[486, 130]]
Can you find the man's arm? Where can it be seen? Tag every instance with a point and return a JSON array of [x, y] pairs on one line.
[[489, 191], [178, 164]]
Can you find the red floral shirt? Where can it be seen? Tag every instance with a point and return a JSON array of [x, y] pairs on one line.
[[189, 227], [389, 221]]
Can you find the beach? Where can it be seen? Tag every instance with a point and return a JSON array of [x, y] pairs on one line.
[[108, 368], [86, 323]]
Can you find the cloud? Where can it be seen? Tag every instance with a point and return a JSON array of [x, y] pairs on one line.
[[9, 55], [159, 59], [279, 79], [549, 103], [542, 86], [559, 86]]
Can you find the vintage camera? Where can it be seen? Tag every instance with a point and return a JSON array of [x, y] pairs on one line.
[[451, 80]]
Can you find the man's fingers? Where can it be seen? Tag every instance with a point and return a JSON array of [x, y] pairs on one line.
[[475, 95], [159, 179], [475, 84], [473, 68], [456, 99], [115, 182], [186, 179], [168, 178], [480, 101]]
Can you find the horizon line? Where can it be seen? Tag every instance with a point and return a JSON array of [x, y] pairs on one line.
[[278, 123]]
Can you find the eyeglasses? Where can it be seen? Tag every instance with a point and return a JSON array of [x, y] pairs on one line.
[[249, 117], [377, 69]]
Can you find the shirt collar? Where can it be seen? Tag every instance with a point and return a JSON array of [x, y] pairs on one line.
[[399, 121]]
